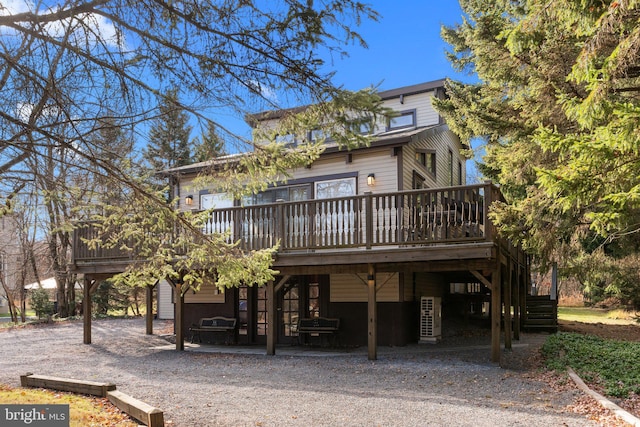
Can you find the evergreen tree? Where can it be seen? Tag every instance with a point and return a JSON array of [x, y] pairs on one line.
[[212, 145], [169, 137], [104, 61], [557, 105]]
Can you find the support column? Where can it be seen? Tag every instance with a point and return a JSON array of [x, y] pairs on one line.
[[179, 314], [372, 313], [496, 313], [507, 306], [516, 302], [149, 303], [86, 310], [271, 318]]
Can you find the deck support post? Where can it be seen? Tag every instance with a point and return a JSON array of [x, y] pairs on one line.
[[507, 306], [372, 328], [179, 313], [496, 313], [516, 302], [86, 310], [271, 318], [149, 303]]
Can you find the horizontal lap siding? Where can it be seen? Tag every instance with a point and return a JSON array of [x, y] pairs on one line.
[[426, 115], [165, 306], [441, 141], [380, 162], [353, 288], [206, 294]]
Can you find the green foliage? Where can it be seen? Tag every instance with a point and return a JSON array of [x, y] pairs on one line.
[[211, 145], [611, 364], [558, 107], [169, 137], [110, 297], [166, 244], [40, 302]]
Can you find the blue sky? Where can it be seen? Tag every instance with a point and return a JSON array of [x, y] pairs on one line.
[[405, 47]]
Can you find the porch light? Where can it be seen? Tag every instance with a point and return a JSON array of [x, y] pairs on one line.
[[188, 200], [371, 180]]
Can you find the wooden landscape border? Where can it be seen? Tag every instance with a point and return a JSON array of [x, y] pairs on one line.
[[141, 411]]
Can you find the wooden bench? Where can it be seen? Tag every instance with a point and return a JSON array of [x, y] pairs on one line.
[[214, 324], [321, 326]]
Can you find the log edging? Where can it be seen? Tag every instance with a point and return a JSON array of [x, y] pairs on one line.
[[141, 411], [603, 401]]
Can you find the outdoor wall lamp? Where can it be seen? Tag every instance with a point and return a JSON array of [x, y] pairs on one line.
[[188, 200], [371, 180]]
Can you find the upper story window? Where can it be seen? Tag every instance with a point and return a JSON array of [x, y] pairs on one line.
[[427, 158], [289, 140], [404, 119], [364, 126], [318, 135]]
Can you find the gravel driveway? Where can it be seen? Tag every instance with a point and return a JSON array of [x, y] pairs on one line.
[[419, 385]]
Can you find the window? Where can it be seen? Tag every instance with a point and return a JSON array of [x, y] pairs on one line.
[[364, 125], [243, 312], [427, 158], [288, 194], [403, 120], [318, 135], [335, 188], [215, 201], [459, 173], [261, 314], [289, 140], [418, 181], [314, 300]]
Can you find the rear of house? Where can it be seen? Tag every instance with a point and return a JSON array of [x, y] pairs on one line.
[[411, 150]]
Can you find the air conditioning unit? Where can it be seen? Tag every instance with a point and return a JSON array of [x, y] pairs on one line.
[[430, 319]]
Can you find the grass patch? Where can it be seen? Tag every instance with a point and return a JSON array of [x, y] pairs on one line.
[[597, 315], [612, 365], [84, 411]]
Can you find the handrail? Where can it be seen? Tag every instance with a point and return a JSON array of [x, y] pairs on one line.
[[414, 217]]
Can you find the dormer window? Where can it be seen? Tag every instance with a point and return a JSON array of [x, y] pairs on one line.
[[404, 119]]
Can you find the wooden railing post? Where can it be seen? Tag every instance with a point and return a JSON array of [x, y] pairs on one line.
[[280, 225], [488, 200], [368, 203]]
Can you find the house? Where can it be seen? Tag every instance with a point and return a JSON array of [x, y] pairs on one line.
[[386, 238], [51, 286]]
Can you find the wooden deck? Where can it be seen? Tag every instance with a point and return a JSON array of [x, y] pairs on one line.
[[444, 230], [391, 228]]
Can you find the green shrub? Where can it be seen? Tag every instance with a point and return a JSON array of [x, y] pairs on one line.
[[40, 302], [608, 363]]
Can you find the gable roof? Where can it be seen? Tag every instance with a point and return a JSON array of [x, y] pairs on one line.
[[389, 138], [253, 119]]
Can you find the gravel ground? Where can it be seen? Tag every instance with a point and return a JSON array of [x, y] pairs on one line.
[[419, 385]]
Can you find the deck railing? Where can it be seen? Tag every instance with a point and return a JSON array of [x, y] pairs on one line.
[[427, 216]]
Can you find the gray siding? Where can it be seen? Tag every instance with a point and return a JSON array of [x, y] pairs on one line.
[[441, 140]]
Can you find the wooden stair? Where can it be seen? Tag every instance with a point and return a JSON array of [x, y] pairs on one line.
[[542, 313]]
